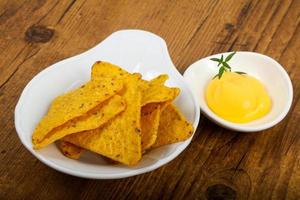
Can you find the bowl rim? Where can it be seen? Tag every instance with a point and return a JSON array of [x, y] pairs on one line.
[[240, 127], [93, 175]]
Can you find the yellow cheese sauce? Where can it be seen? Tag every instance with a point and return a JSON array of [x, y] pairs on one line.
[[237, 98]]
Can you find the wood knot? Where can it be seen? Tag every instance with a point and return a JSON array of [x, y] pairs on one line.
[[229, 27], [38, 34], [220, 192]]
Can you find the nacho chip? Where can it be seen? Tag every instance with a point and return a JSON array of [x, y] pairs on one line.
[[164, 105], [70, 150], [91, 120], [74, 104], [160, 80], [149, 124], [156, 92], [173, 127], [120, 139], [103, 69]]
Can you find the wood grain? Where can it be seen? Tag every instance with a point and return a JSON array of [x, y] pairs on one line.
[[218, 164]]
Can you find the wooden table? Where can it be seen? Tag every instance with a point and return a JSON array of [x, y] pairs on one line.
[[218, 164]]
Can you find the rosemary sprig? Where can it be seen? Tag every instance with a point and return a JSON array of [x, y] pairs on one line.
[[224, 65]]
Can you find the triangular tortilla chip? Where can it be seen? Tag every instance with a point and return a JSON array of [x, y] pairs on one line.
[[173, 127], [91, 120], [156, 92], [149, 124], [160, 80], [120, 139], [101, 69], [74, 104]]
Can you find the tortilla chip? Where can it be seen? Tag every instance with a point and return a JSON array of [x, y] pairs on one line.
[[173, 127], [103, 69], [120, 139], [91, 120], [164, 105], [70, 150], [149, 124], [74, 104], [156, 92], [160, 80]]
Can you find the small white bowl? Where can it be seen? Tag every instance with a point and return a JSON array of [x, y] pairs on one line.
[[264, 68], [133, 50]]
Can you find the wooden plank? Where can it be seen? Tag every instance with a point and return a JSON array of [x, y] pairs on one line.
[[219, 162]]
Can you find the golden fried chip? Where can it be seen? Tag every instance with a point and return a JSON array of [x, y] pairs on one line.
[[103, 69], [74, 104], [91, 120], [156, 92], [149, 124], [120, 139], [160, 80], [173, 127], [164, 105], [70, 150]]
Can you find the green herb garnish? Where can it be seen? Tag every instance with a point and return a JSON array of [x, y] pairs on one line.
[[240, 72], [224, 65]]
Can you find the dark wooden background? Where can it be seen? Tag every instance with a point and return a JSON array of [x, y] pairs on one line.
[[218, 164]]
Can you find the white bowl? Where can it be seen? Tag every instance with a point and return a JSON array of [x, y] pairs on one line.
[[264, 68], [133, 50]]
